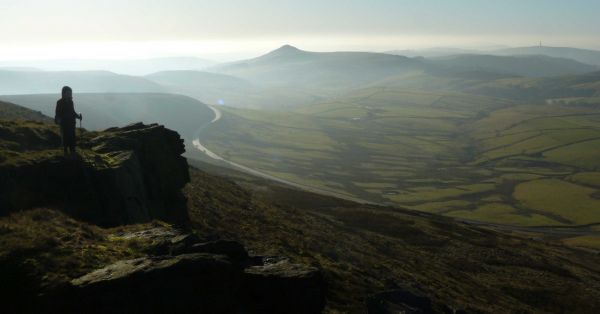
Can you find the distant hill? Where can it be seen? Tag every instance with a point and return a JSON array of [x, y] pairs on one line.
[[529, 66], [194, 79], [10, 111], [22, 69], [432, 52], [208, 87], [213, 88], [37, 82], [493, 84], [129, 67], [581, 55], [322, 75], [585, 85], [290, 66]]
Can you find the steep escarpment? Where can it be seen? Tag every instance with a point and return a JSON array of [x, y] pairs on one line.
[[12, 111], [121, 176]]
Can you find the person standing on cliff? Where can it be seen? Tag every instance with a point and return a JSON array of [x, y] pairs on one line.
[[66, 118]]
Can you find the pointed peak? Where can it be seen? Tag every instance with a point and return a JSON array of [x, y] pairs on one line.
[[285, 52], [285, 49]]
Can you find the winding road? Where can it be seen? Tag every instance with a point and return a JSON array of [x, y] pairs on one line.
[[218, 115]]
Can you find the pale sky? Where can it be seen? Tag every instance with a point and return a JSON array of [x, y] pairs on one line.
[[43, 29]]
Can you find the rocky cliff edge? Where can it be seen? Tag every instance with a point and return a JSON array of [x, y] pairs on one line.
[[121, 176]]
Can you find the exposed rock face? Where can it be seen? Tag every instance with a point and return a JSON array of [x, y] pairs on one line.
[[221, 279], [283, 287], [124, 175]]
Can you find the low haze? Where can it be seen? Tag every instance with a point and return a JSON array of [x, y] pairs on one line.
[[230, 29]]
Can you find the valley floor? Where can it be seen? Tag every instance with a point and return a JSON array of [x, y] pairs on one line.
[[469, 157]]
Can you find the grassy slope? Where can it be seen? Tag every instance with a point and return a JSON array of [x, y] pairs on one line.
[[455, 154], [366, 249], [10, 111]]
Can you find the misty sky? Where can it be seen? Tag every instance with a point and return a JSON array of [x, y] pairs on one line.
[[149, 28]]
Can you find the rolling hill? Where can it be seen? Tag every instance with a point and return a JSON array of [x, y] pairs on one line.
[[581, 55], [209, 87], [495, 84], [540, 89], [128, 67], [291, 67], [528, 66], [39, 82], [432, 52], [586, 56], [219, 89], [289, 77], [10, 111]]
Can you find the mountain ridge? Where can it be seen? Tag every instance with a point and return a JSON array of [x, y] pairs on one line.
[[37, 82], [588, 56]]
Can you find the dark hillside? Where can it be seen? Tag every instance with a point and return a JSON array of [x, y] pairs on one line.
[[9, 111], [388, 259]]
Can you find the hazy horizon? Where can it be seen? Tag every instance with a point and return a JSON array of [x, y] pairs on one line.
[[233, 29]]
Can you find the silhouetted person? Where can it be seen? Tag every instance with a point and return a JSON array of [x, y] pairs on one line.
[[66, 117]]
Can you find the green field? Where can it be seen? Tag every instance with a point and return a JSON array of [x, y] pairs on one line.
[[471, 157]]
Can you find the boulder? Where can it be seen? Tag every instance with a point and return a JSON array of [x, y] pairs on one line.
[[188, 283], [284, 287]]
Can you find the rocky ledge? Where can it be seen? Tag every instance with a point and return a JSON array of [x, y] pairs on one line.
[[183, 274], [122, 175], [122, 178]]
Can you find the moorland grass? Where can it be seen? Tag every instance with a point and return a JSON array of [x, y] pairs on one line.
[[567, 200]]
